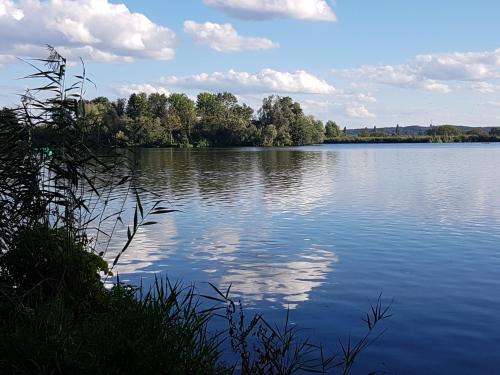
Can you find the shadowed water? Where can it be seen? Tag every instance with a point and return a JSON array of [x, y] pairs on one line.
[[324, 230]]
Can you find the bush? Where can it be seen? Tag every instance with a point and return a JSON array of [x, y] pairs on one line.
[[50, 263]]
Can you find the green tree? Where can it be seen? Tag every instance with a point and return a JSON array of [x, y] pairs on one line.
[[137, 106], [444, 130], [181, 111], [101, 120], [292, 126], [158, 105], [269, 133], [495, 132], [365, 133], [223, 121], [120, 106], [332, 130]]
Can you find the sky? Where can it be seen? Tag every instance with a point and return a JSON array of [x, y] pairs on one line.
[[357, 62]]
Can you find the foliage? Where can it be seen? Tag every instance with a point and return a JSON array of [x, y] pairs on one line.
[[213, 120], [444, 130], [495, 132], [49, 263], [365, 133], [332, 130]]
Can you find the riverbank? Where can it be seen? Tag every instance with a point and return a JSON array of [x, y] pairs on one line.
[[414, 139]]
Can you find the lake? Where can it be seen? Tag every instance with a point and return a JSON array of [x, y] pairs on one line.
[[323, 230]]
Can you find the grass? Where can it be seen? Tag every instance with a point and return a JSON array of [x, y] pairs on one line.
[[119, 334]]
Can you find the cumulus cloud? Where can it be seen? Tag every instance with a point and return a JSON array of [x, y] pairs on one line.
[[94, 29], [470, 66], [435, 72], [310, 10], [224, 38], [127, 90], [265, 81], [358, 111], [399, 76]]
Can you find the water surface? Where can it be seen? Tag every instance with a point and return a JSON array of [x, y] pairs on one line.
[[324, 230]]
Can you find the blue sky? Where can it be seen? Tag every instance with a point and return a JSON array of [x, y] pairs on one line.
[[359, 62]]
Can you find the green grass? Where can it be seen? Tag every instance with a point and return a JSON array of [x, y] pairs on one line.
[[119, 335]]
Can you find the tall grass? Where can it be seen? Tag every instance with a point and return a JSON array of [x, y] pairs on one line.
[[56, 316]]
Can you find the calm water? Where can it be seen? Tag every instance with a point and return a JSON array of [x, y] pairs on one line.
[[324, 230]]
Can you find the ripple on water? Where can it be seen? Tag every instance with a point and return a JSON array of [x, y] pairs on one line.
[[325, 230]]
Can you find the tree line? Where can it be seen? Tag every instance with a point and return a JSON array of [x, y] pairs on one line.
[[212, 120], [219, 120]]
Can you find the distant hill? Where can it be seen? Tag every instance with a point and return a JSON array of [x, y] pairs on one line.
[[417, 129]]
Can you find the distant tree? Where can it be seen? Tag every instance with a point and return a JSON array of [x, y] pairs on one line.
[[223, 121], [120, 106], [345, 130], [495, 132], [101, 120], [477, 131], [137, 106], [182, 111], [157, 104], [269, 133], [172, 124], [292, 126], [364, 133], [101, 100], [397, 130], [444, 130], [318, 133], [332, 130]]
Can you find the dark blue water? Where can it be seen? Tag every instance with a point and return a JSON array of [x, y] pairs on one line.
[[324, 230]]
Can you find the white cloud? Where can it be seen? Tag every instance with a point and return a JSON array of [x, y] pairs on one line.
[[6, 59], [224, 38], [358, 111], [266, 81], [127, 90], [431, 72], [95, 29], [310, 10], [9, 10], [484, 87], [400, 76], [433, 86], [470, 66], [367, 98]]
